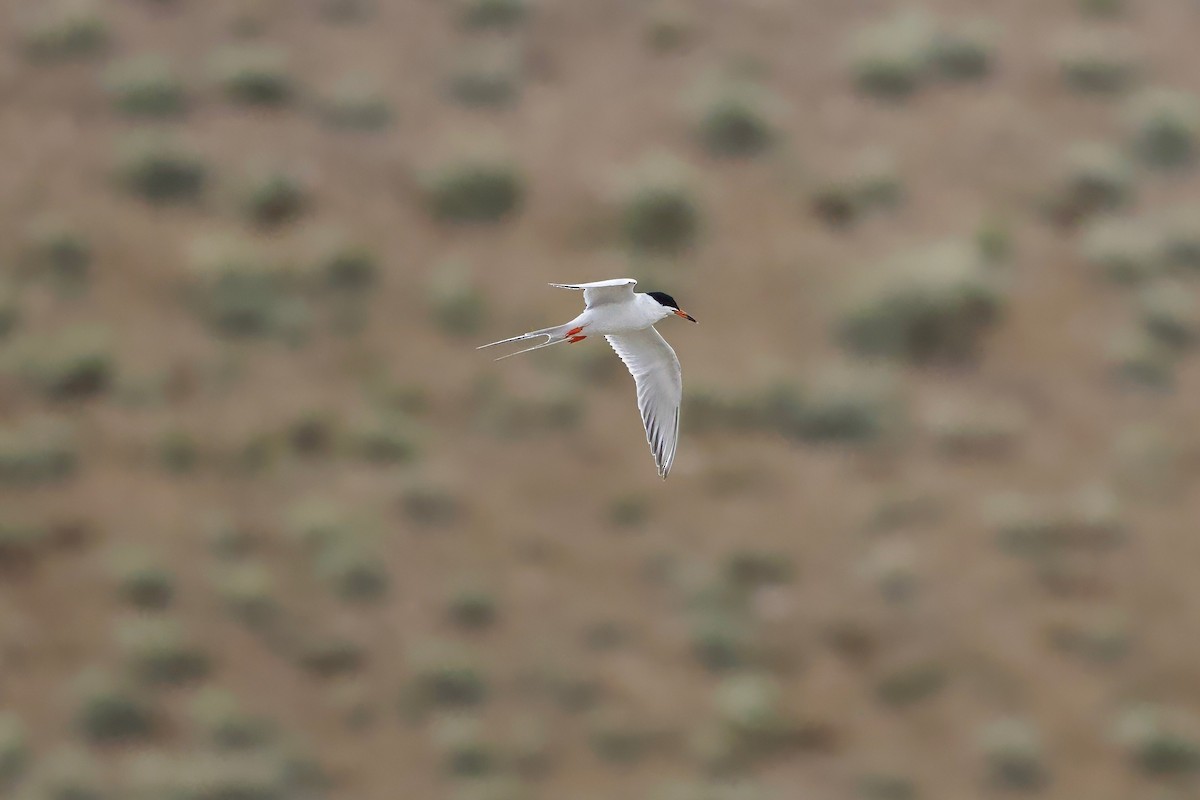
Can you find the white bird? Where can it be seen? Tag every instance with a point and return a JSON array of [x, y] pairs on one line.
[[626, 319]]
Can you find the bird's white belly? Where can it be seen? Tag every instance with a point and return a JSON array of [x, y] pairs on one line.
[[613, 319]]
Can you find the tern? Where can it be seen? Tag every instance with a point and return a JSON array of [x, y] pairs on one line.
[[626, 319]]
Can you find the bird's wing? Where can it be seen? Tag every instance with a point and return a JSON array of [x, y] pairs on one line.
[[598, 293], [655, 370]]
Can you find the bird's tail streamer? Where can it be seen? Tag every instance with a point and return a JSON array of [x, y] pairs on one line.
[[554, 335]]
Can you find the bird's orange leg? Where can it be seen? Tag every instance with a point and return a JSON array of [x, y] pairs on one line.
[[575, 339], [574, 331]]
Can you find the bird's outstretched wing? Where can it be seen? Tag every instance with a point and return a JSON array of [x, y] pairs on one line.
[[655, 370], [598, 293]]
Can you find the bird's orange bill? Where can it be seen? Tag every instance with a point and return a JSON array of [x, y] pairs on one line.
[[685, 315]]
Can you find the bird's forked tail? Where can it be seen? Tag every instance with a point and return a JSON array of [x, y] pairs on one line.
[[554, 335]]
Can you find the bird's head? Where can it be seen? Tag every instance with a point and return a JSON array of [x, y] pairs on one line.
[[669, 305]]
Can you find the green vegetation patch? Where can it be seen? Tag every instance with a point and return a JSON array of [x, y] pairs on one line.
[[873, 183], [158, 652], [241, 290], [735, 119], [110, 710], [142, 581], [1095, 178], [275, 198], [254, 75], [1158, 741], [660, 209], [59, 250], [1164, 127], [1014, 753], [357, 103], [65, 30], [76, 363], [146, 86], [896, 57], [41, 451], [445, 674], [14, 749], [474, 189], [486, 78], [498, 14], [160, 168], [931, 304], [964, 51], [1098, 63]]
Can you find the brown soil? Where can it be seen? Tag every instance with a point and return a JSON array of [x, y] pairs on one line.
[[534, 526]]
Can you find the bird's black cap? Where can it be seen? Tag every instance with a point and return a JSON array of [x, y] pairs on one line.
[[664, 299]]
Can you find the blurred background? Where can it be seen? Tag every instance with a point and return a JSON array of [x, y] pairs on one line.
[[270, 527]]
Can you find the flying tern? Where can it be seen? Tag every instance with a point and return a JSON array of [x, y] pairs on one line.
[[626, 319]]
